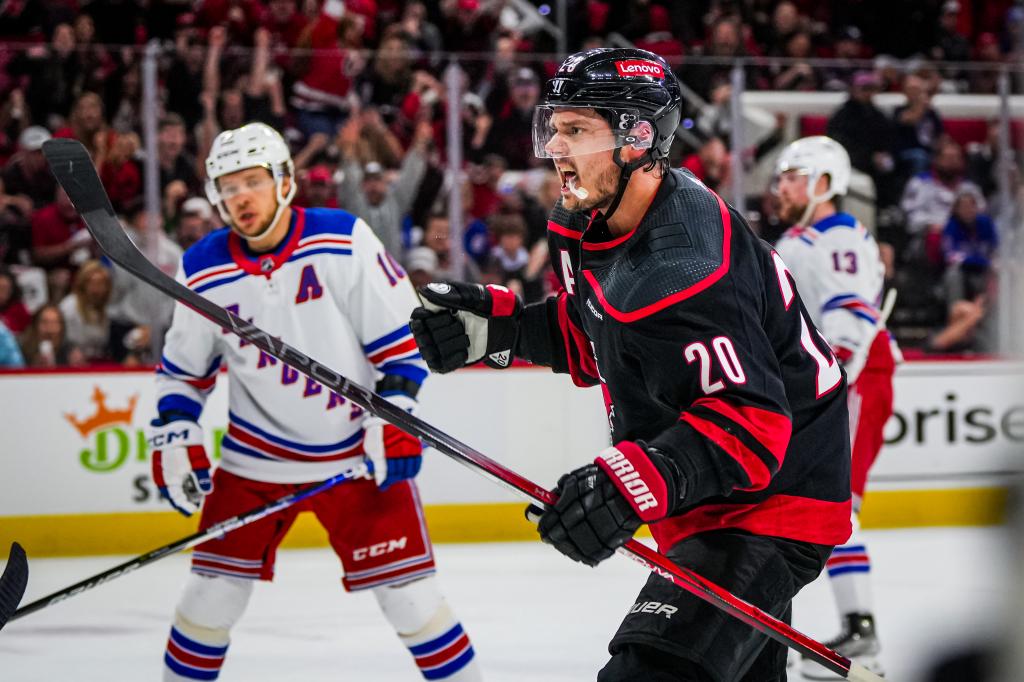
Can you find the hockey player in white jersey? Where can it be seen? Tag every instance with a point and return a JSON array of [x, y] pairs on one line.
[[837, 269], [320, 279]]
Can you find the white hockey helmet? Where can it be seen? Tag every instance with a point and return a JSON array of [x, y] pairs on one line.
[[817, 156], [251, 146]]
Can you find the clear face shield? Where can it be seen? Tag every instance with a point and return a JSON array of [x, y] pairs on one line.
[[564, 131]]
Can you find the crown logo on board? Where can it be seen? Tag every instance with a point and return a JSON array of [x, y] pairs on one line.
[[104, 416]]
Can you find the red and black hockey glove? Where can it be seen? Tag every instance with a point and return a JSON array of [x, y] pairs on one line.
[[600, 506], [461, 323]]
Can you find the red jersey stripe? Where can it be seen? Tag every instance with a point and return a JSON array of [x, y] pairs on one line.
[[752, 465], [771, 429]]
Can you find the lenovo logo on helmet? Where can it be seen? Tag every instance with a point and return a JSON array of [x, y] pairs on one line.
[[639, 67]]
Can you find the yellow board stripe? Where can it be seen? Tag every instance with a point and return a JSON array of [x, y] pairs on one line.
[[139, 532]]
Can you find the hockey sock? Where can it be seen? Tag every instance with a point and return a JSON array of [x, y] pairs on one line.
[[428, 628], [209, 608], [849, 571], [188, 658]]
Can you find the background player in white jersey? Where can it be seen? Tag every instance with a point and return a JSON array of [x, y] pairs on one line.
[[320, 279], [839, 274]]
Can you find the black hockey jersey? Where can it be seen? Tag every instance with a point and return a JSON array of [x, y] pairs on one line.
[[696, 330]]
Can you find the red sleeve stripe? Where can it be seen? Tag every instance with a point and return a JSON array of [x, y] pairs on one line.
[[756, 471], [770, 429], [579, 355]]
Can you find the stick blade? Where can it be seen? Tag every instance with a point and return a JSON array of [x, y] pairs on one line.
[[72, 166], [13, 583]]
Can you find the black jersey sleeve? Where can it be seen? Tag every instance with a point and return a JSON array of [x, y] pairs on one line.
[[710, 359], [551, 334]]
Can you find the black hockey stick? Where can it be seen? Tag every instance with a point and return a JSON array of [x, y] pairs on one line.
[[13, 583], [75, 172], [214, 531]]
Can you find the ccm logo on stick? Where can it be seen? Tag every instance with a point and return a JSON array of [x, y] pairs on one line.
[[379, 549], [639, 67]]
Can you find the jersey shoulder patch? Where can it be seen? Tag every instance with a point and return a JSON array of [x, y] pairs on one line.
[[684, 249], [209, 252]]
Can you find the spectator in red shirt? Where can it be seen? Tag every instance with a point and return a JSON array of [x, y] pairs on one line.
[[120, 174], [13, 312], [710, 163], [321, 97], [317, 189], [60, 242], [88, 125]]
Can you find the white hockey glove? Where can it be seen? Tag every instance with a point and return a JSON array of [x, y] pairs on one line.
[[395, 455], [181, 469]]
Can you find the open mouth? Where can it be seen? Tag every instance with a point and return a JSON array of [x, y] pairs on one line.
[[568, 177]]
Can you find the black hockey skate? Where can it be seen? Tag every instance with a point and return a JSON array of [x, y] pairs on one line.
[[857, 641]]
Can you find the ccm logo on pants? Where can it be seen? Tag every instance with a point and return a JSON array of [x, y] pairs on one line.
[[379, 549], [655, 607]]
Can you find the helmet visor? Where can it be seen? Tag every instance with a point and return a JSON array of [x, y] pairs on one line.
[[563, 131]]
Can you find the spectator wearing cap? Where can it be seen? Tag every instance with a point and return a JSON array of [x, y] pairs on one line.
[[26, 173], [511, 135], [849, 48], [366, 192], [986, 51], [866, 133], [317, 189], [195, 221]]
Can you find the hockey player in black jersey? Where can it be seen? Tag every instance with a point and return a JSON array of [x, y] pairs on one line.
[[726, 406]]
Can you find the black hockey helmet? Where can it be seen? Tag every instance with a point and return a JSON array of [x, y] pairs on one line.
[[623, 85]]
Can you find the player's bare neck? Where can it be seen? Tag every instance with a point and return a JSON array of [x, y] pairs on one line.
[[276, 236], [822, 211], [640, 192]]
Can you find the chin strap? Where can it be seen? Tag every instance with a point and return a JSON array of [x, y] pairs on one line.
[[627, 171]]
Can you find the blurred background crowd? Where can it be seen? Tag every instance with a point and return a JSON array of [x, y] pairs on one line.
[[363, 92]]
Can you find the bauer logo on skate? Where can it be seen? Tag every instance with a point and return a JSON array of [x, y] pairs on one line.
[[639, 67]]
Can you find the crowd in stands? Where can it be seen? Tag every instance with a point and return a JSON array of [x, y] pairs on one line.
[[357, 88]]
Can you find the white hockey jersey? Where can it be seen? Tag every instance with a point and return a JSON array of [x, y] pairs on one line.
[[840, 275], [331, 291]]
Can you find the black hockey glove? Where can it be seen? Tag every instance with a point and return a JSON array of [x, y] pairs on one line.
[[461, 323], [600, 506]]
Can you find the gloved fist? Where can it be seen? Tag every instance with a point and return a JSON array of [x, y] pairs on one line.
[[600, 506], [395, 455], [461, 323], [181, 469]]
